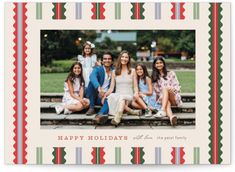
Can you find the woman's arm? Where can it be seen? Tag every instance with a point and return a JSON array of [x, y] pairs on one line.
[[81, 92], [71, 91], [150, 86], [135, 82]]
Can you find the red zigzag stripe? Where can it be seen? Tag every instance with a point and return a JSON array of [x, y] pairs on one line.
[[20, 141]]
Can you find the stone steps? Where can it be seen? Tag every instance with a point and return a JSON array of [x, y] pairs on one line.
[[57, 97], [49, 107], [81, 119]]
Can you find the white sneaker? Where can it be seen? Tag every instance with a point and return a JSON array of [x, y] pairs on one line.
[[59, 109], [160, 114], [148, 113], [67, 112]]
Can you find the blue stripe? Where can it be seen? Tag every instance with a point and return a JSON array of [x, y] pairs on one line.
[[177, 10], [177, 158], [157, 155], [157, 10], [78, 10], [79, 155], [20, 80]]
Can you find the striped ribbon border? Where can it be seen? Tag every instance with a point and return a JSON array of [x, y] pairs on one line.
[[78, 155], [117, 6], [177, 10], [20, 85], [137, 11], [158, 11], [158, 155], [97, 155], [38, 10], [39, 156], [58, 11], [98, 11], [177, 155], [196, 155], [59, 155], [215, 77], [196, 11], [118, 155], [137, 155], [78, 10]]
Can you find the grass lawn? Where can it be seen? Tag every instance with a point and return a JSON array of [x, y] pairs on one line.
[[54, 82]]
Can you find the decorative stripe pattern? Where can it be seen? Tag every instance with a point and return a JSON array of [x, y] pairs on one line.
[[117, 10], [79, 155], [137, 11], [20, 85], [137, 155], [39, 155], [215, 84], [59, 155], [98, 11], [118, 155], [196, 11], [177, 11], [196, 155], [38, 10], [98, 155], [78, 10], [158, 155], [157, 10], [58, 11], [177, 155]]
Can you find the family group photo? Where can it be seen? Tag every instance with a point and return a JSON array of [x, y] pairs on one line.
[[117, 79]]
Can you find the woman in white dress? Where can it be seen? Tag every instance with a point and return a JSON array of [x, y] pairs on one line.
[[88, 60], [124, 77], [73, 99]]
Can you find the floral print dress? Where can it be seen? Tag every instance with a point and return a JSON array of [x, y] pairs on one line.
[[170, 82]]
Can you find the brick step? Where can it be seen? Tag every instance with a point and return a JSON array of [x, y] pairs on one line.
[[57, 97], [82, 119], [49, 107]]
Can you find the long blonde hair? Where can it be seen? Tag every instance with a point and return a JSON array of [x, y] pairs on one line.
[[119, 65]]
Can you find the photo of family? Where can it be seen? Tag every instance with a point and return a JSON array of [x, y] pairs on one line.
[[117, 78]]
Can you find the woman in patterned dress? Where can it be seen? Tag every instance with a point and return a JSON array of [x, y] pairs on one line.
[[167, 88]]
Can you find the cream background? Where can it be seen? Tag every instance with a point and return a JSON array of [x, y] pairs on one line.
[[197, 137]]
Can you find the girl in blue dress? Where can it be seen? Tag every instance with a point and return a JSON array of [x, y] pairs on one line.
[[146, 98]]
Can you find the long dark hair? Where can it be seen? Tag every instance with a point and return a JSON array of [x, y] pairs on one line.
[[71, 76], [119, 65], [145, 74], [156, 73]]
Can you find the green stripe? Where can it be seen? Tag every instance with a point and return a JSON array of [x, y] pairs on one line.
[[196, 152], [39, 155], [38, 10], [118, 155], [97, 11], [117, 10], [97, 155], [196, 11]]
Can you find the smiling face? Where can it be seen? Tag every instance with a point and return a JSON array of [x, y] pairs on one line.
[[159, 65], [125, 59], [107, 60], [139, 71], [77, 70], [87, 50]]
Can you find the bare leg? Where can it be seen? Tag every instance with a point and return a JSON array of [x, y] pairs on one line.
[[141, 103], [172, 99], [173, 118], [74, 108], [119, 114], [165, 98], [168, 109]]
